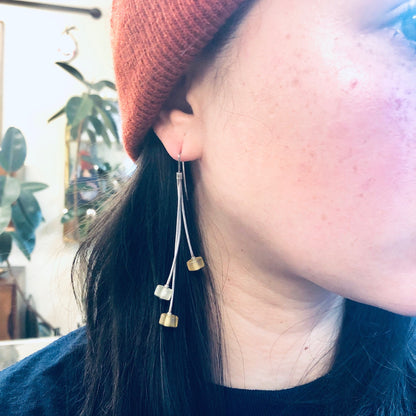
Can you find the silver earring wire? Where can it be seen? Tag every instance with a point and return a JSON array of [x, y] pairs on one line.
[[166, 292], [195, 263], [184, 181], [177, 234], [185, 224]]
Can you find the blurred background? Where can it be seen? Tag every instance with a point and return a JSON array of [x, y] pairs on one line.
[[68, 166]]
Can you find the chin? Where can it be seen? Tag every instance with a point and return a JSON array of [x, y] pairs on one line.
[[404, 307], [395, 294], [405, 310]]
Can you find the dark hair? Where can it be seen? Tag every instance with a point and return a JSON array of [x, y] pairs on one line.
[[135, 366]]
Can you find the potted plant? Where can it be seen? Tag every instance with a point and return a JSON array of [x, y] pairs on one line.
[[90, 120], [20, 213], [20, 216]]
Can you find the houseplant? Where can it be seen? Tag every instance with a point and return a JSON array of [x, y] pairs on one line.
[[90, 120], [20, 216], [20, 213]]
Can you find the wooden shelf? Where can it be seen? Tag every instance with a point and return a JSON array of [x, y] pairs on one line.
[[12, 307]]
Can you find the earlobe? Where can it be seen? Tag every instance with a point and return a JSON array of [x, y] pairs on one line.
[[179, 133]]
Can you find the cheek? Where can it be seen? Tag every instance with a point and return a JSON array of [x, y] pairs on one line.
[[345, 123], [330, 139], [351, 174], [324, 169], [350, 181]]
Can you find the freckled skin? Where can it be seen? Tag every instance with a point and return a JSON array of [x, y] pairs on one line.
[[310, 168]]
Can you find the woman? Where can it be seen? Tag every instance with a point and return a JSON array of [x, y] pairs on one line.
[[299, 192]]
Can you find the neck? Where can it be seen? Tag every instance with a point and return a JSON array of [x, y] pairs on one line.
[[272, 342], [279, 330]]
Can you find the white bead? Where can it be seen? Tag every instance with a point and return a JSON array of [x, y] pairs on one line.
[[163, 292]]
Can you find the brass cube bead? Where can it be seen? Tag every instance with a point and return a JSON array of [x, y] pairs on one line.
[[169, 320], [195, 263]]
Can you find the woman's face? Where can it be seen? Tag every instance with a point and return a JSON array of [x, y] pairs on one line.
[[308, 164]]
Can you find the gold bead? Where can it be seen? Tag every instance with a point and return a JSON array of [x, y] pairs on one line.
[[169, 320], [163, 292], [195, 263]]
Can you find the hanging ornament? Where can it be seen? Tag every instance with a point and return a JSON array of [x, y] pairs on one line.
[[67, 45]]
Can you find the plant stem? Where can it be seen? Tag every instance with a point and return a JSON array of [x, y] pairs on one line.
[[77, 160]]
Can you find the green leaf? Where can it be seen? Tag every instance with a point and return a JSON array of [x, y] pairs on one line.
[[71, 109], [74, 72], [114, 128], [58, 114], [27, 245], [13, 150], [98, 126], [9, 190], [110, 105], [107, 140], [68, 216], [74, 132], [26, 217], [108, 122], [98, 101], [33, 186], [100, 107], [26, 211], [92, 136], [5, 246], [104, 83], [84, 110], [5, 216]]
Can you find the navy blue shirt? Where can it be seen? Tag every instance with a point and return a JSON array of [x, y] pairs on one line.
[[48, 383]]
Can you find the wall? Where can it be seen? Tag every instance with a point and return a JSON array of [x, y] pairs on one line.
[[34, 89]]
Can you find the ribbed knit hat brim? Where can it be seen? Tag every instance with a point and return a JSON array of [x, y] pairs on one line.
[[154, 42]]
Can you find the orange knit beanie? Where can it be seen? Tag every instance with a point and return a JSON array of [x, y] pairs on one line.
[[154, 42]]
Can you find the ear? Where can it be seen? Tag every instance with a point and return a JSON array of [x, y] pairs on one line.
[[178, 128]]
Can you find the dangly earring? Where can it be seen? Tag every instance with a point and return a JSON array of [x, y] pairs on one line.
[[166, 291]]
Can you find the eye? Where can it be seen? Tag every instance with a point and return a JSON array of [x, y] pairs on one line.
[[408, 26], [403, 20]]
